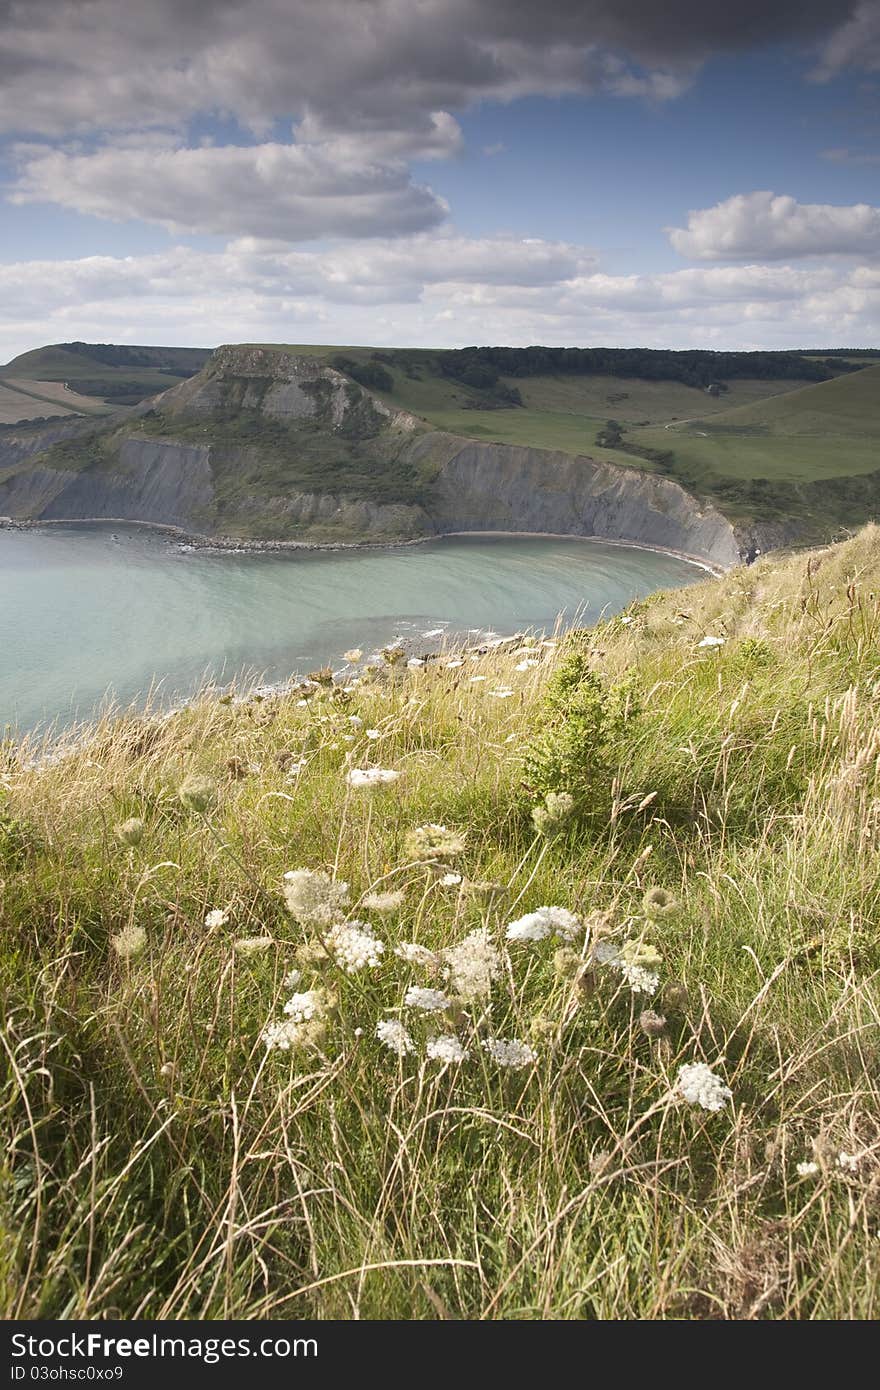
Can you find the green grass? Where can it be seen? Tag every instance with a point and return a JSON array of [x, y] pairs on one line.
[[162, 1163], [106, 372]]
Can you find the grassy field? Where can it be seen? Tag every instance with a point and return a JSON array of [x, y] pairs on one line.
[[31, 400], [224, 1098], [107, 372]]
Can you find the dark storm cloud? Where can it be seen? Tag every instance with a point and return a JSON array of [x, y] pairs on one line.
[[383, 64]]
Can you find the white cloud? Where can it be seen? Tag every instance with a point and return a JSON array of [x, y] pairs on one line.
[[297, 193], [772, 227], [432, 289]]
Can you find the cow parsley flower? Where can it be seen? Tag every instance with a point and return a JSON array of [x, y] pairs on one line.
[[555, 815], [414, 954], [806, 1170], [509, 1052], [544, 922], [848, 1162], [394, 1036], [711, 642], [384, 902], [658, 904], [450, 880], [292, 979], [472, 965], [198, 793], [698, 1085], [637, 963], [217, 917], [502, 693], [313, 897], [371, 776], [130, 832], [354, 946], [301, 1007], [129, 942], [446, 1049], [433, 842], [526, 665], [429, 1001]]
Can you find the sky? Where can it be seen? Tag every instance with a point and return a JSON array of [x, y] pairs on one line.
[[440, 172]]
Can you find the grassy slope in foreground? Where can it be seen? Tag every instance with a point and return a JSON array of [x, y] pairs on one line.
[[164, 1164]]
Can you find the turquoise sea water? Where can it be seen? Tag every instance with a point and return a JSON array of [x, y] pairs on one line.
[[92, 611]]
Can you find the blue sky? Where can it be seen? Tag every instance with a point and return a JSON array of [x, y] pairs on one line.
[[450, 172]]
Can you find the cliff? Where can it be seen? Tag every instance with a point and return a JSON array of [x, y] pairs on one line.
[[268, 444]]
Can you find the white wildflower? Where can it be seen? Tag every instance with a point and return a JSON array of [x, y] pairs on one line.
[[807, 1170], [848, 1162], [129, 942], [640, 980], [453, 665], [283, 1035], [294, 769], [527, 665], [429, 1001], [354, 946], [637, 963], [509, 1052], [472, 965], [373, 734], [625, 622], [394, 1036], [698, 1085], [474, 679], [433, 842], [352, 656], [371, 776], [544, 922], [446, 1049], [414, 954], [355, 721], [450, 880], [217, 917], [292, 979], [313, 897], [301, 1007], [503, 693], [414, 663], [384, 902], [249, 946], [711, 642]]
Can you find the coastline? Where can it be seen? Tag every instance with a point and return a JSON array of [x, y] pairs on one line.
[[243, 546]]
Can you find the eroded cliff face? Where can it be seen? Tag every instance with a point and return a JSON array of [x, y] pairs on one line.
[[463, 485]]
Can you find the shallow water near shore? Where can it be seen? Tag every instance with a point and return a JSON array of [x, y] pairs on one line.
[[87, 611]]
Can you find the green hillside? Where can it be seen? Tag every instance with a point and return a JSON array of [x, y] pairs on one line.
[[118, 374], [570, 1013]]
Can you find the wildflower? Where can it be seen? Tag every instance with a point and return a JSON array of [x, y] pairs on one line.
[[130, 832], [472, 965], [394, 1036], [544, 922], [658, 904], [555, 814], [637, 964], [433, 842], [250, 946], [652, 1024], [354, 946], [292, 979], [352, 656], [287, 1033], [473, 679], [429, 1001], [129, 942], [807, 1170], [527, 665], [198, 793], [313, 897], [711, 642], [384, 902], [415, 662], [414, 954], [373, 734], [446, 1048], [566, 963], [510, 1052], [301, 1007], [217, 917], [355, 721], [848, 1162], [371, 776], [450, 880], [698, 1085], [483, 889], [501, 694], [453, 665], [294, 769], [625, 622]]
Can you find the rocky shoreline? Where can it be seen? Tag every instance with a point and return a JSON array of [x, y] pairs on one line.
[[238, 545]]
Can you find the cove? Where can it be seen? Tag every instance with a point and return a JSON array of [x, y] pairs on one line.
[[107, 611]]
